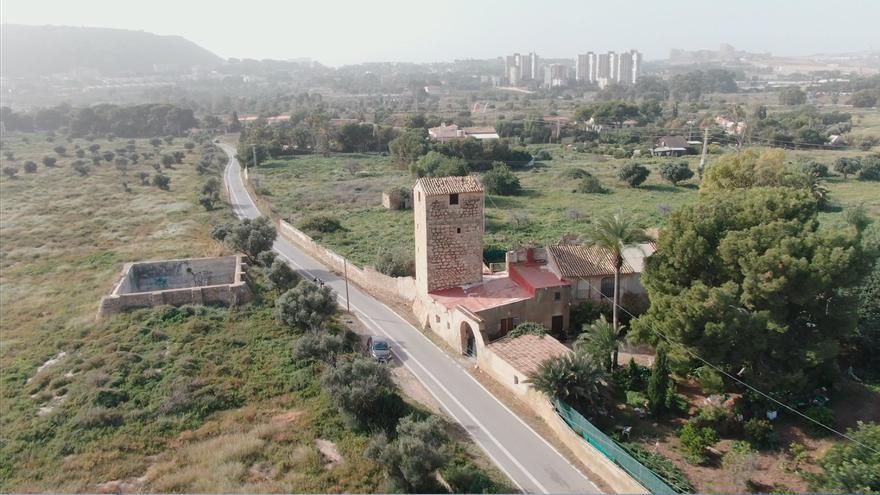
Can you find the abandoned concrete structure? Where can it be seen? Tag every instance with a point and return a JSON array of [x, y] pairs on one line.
[[178, 282]]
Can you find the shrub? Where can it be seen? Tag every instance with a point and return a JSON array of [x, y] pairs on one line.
[[306, 306], [675, 172], [98, 417], [435, 164], [281, 276], [250, 237], [467, 478], [10, 172], [411, 459], [49, 161], [822, 414], [695, 441], [501, 180], [637, 376], [759, 432], [661, 466], [849, 467], [710, 380], [573, 173], [323, 346], [322, 223], [543, 156], [395, 262], [590, 185], [847, 165], [870, 168], [636, 399], [633, 174], [162, 181], [815, 169], [587, 312], [528, 328], [364, 392], [572, 378], [61, 150], [30, 166]]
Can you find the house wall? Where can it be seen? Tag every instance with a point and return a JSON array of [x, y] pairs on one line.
[[449, 240], [540, 309], [589, 288], [447, 323]]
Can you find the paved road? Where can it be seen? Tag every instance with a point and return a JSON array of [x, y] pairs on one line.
[[527, 459]]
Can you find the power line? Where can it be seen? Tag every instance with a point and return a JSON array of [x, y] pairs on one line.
[[736, 379]]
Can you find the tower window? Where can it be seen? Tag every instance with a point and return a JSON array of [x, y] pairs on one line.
[[453, 199], [458, 230]]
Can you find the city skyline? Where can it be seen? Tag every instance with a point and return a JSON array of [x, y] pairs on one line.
[[281, 32]]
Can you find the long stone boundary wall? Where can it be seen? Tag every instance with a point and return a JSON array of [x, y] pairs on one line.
[[374, 282], [505, 374]]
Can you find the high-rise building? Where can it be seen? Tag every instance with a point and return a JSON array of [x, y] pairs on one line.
[[519, 68], [636, 65], [607, 68], [555, 75]]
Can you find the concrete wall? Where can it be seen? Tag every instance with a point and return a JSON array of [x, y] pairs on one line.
[[178, 274], [374, 282], [122, 298], [449, 240], [613, 475]]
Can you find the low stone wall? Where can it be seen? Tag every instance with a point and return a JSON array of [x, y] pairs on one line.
[[505, 374], [121, 299], [397, 288]]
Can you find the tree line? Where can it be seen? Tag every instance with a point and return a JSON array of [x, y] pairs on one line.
[[134, 121]]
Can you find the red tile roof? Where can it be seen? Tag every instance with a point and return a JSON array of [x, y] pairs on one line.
[[439, 186], [492, 292], [526, 352], [584, 261]]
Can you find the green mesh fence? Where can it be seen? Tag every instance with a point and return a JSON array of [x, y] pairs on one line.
[[604, 444]]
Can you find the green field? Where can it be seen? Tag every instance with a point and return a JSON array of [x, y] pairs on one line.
[[548, 209], [160, 400]]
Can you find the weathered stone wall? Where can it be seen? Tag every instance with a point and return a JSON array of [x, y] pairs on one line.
[[540, 309], [124, 296], [449, 240], [501, 371], [396, 288]]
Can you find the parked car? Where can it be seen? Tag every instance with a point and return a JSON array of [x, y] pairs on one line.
[[378, 349]]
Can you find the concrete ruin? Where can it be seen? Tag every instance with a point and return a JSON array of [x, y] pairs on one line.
[[177, 282]]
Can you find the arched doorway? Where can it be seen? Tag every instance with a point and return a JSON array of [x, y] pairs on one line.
[[468, 340]]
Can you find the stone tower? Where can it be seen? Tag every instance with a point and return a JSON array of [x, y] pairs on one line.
[[448, 232]]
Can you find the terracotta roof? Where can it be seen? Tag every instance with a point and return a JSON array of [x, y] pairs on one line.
[[492, 292], [526, 352], [584, 261], [438, 186]]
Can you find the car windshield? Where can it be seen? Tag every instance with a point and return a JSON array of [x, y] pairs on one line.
[[380, 346]]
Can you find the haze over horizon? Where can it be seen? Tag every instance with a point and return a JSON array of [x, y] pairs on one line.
[[336, 32]]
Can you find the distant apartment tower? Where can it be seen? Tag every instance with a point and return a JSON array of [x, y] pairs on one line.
[[519, 68], [612, 67], [555, 75]]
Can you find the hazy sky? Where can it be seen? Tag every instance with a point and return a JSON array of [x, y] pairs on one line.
[[341, 32]]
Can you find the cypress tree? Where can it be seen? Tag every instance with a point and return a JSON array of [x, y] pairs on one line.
[[658, 383]]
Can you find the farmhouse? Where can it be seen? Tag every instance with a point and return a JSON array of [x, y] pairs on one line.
[[670, 146], [452, 132], [590, 270], [458, 297]]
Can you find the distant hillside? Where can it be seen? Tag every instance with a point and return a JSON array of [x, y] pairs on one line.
[[44, 50]]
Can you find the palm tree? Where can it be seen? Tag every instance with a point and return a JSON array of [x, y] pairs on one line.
[[614, 234], [572, 378], [599, 341]]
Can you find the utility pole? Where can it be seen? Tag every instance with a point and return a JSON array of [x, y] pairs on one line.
[[702, 166], [345, 268]]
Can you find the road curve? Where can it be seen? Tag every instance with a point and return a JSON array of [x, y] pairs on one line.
[[529, 461]]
